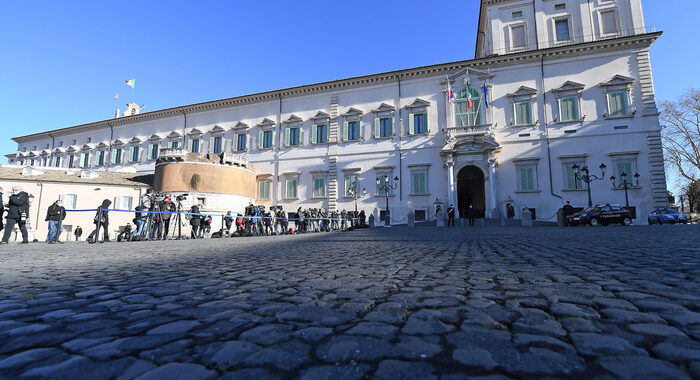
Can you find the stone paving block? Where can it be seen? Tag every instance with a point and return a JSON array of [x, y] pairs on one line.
[[475, 357], [285, 356], [19, 360], [267, 334], [179, 371], [655, 330], [376, 329], [640, 367], [591, 344], [250, 373], [312, 334], [395, 369], [179, 327], [233, 353], [349, 371], [341, 349]]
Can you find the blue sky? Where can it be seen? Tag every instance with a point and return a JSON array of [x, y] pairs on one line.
[[61, 63]]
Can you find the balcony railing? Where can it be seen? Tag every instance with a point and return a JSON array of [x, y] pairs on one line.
[[470, 130], [573, 41], [172, 154]]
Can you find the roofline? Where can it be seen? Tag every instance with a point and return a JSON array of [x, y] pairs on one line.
[[353, 82], [479, 30]]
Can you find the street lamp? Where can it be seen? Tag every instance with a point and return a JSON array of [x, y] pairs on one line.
[[386, 187], [625, 185], [354, 194], [586, 177]]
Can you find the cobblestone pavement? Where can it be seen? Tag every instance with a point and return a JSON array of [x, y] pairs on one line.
[[397, 303]]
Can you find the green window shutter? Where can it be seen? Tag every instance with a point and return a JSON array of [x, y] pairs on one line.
[[114, 156], [261, 136], [345, 131], [377, 128], [272, 139], [150, 151], [391, 126], [425, 122], [359, 129], [411, 124], [314, 134], [287, 136]]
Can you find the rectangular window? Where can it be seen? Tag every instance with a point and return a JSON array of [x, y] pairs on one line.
[[560, 7], [628, 168], [217, 144], [420, 215], [57, 162], [517, 14], [134, 155], [116, 155], [523, 113], [195, 145], [417, 124], [518, 36], [350, 185], [562, 29], [292, 188], [293, 136], [71, 161], [608, 22], [419, 183], [122, 203], [572, 181], [264, 190], [84, 159], [569, 108], [320, 134], [266, 139], [100, 158], [617, 104], [153, 151], [319, 187], [240, 142], [384, 179], [526, 178], [173, 144], [70, 201], [353, 130], [385, 127]]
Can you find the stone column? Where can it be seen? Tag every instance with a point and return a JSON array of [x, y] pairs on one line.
[[492, 178], [452, 189]]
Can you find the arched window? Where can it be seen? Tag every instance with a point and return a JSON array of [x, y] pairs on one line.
[[464, 117]]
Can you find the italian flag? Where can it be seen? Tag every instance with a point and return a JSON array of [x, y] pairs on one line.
[[131, 82], [469, 97]]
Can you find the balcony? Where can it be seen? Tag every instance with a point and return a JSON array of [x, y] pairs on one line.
[[573, 41], [481, 129], [234, 159], [172, 154]]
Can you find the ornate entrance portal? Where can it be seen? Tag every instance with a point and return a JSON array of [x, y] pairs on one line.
[[471, 190]]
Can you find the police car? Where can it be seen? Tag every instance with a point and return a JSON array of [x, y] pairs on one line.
[[603, 215]]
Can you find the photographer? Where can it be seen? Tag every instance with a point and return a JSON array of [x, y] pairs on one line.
[[139, 221], [228, 222], [18, 209], [101, 221], [195, 221], [169, 207]]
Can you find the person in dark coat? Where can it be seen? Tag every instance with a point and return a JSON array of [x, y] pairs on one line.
[[101, 221], [451, 215], [78, 233], [17, 212], [470, 215], [228, 221], [167, 205], [55, 216], [568, 210], [2, 208], [195, 221]]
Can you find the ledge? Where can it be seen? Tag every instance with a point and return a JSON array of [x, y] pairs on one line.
[[419, 195], [528, 191]]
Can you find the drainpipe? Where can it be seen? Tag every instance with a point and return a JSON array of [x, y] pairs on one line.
[[111, 139], [184, 131], [277, 150], [546, 132], [38, 207], [400, 132]]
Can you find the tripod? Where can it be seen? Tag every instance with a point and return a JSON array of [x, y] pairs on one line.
[[178, 220]]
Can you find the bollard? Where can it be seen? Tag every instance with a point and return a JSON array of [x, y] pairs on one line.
[[411, 219], [561, 218], [526, 218], [371, 220], [441, 219]]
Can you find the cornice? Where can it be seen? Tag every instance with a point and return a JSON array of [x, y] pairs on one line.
[[642, 40]]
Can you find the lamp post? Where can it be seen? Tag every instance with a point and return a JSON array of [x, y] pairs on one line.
[[624, 185], [386, 187], [585, 175], [356, 195]]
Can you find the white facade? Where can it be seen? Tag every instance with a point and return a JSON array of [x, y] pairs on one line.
[[552, 103]]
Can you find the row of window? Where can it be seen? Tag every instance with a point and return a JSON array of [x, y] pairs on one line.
[[70, 202], [352, 186], [527, 174]]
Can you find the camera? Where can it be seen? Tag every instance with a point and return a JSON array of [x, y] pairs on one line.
[[181, 197]]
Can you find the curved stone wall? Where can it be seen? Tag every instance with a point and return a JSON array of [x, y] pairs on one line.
[[213, 178]]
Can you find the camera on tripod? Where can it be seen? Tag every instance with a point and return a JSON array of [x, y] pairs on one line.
[[181, 197]]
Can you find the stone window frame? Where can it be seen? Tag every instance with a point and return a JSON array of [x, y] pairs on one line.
[[347, 172], [618, 83], [382, 170], [320, 119], [195, 134], [288, 176], [567, 90], [419, 106], [532, 162], [293, 121], [153, 145], [511, 27], [319, 174], [102, 149], [240, 128], [217, 132], [523, 94], [135, 143], [599, 15], [352, 115], [260, 179], [416, 168], [569, 19], [266, 125], [384, 111], [174, 136], [633, 158], [568, 160]]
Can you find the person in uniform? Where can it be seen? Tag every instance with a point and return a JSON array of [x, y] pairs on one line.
[[451, 215], [470, 215]]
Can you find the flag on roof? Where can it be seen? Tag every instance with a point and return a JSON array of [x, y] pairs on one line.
[[131, 82]]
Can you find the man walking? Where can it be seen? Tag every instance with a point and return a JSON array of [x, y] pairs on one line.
[[18, 209], [451, 215], [470, 215], [55, 215], [78, 233]]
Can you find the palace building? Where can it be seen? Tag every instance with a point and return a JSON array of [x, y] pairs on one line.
[[555, 85]]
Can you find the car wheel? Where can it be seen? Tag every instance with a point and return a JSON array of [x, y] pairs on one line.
[[650, 222], [626, 221], [593, 222], [672, 222]]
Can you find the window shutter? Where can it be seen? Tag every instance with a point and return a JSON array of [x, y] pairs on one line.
[[314, 134], [391, 126], [425, 123], [359, 129], [261, 136], [150, 151], [287, 136], [345, 131], [377, 131], [114, 156], [411, 124], [272, 138]]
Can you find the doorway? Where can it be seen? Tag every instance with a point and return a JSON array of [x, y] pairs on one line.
[[471, 190]]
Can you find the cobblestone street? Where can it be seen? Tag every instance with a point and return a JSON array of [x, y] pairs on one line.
[[396, 303]]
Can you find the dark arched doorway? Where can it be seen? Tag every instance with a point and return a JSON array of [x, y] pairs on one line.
[[471, 190]]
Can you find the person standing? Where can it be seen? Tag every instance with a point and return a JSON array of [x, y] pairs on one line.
[[55, 215], [101, 221], [568, 210], [18, 209], [167, 206], [228, 221], [195, 221], [2, 209], [451, 215], [78, 233], [470, 215]]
